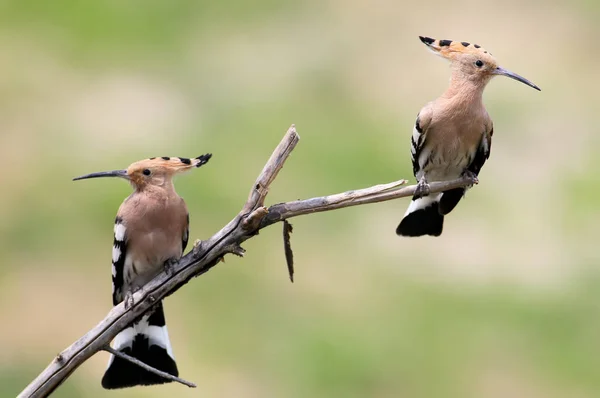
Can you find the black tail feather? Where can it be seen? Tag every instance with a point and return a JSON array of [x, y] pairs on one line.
[[122, 373], [146, 340], [450, 199], [425, 221]]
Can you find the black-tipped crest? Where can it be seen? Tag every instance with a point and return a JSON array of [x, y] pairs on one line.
[[203, 159], [142, 172], [426, 40], [471, 54]]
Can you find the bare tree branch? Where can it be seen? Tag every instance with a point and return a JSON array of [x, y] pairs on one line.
[[377, 193], [207, 254], [149, 368]]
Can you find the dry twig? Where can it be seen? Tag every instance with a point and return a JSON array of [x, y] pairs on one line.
[[150, 369]]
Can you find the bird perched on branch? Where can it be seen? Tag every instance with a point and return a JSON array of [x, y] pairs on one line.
[[452, 135], [150, 234]]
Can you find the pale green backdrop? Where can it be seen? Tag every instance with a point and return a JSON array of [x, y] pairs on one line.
[[505, 304]]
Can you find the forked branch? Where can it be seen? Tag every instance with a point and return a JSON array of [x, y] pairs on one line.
[[253, 217]]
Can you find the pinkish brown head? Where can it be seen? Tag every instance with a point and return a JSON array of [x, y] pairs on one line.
[[471, 61], [153, 171]]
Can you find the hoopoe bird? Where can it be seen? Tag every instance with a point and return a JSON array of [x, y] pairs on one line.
[[452, 135], [150, 234]]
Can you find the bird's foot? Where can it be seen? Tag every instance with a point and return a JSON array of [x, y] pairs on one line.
[[128, 299], [422, 189], [169, 265], [471, 176]]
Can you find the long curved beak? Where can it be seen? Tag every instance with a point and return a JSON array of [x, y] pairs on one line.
[[114, 173], [505, 72]]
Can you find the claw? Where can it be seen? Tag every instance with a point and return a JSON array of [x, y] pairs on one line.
[[169, 265], [128, 300], [472, 176], [422, 189]]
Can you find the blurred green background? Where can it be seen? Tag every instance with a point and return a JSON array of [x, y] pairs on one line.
[[505, 304]]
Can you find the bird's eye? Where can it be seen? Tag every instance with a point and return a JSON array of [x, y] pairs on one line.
[[479, 63], [146, 172]]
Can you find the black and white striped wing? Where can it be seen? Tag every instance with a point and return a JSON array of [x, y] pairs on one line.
[[186, 235], [118, 261], [483, 152], [417, 142]]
